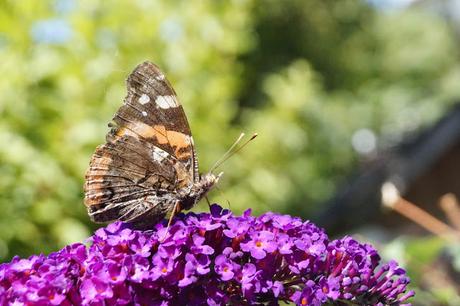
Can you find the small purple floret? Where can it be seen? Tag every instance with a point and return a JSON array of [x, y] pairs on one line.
[[208, 259]]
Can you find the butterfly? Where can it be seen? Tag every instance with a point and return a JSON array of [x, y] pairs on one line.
[[148, 166]]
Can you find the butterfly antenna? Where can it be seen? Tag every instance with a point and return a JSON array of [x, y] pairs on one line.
[[218, 162], [174, 211], [232, 151], [222, 195]]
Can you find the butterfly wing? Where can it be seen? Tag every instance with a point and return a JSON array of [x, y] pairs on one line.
[[148, 157]]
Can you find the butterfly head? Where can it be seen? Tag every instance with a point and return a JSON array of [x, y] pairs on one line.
[[200, 189], [208, 180]]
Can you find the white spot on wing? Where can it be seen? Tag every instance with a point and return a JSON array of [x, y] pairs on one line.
[[166, 101], [159, 155], [144, 113], [144, 99], [160, 77]]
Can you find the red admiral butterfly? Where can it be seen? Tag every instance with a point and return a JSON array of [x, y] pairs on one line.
[[148, 165]]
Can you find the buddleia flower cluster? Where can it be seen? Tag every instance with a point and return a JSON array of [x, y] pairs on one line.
[[213, 258]]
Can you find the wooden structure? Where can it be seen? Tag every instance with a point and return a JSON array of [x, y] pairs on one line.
[[423, 168]]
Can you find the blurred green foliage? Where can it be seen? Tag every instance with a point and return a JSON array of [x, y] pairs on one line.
[[305, 75], [428, 261]]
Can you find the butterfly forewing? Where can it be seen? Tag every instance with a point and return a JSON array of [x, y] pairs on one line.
[[148, 156], [151, 111]]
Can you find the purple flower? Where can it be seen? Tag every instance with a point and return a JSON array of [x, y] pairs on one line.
[[162, 267], [211, 258], [224, 267], [260, 244], [95, 289], [236, 228]]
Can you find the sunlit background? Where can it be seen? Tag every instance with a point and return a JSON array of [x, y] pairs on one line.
[[345, 96]]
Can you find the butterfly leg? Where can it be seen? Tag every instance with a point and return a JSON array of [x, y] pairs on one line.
[[223, 196], [207, 201], [176, 209]]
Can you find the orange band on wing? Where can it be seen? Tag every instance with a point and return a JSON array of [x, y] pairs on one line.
[[177, 140]]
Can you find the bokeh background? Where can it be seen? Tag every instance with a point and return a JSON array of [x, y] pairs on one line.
[[330, 86]]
